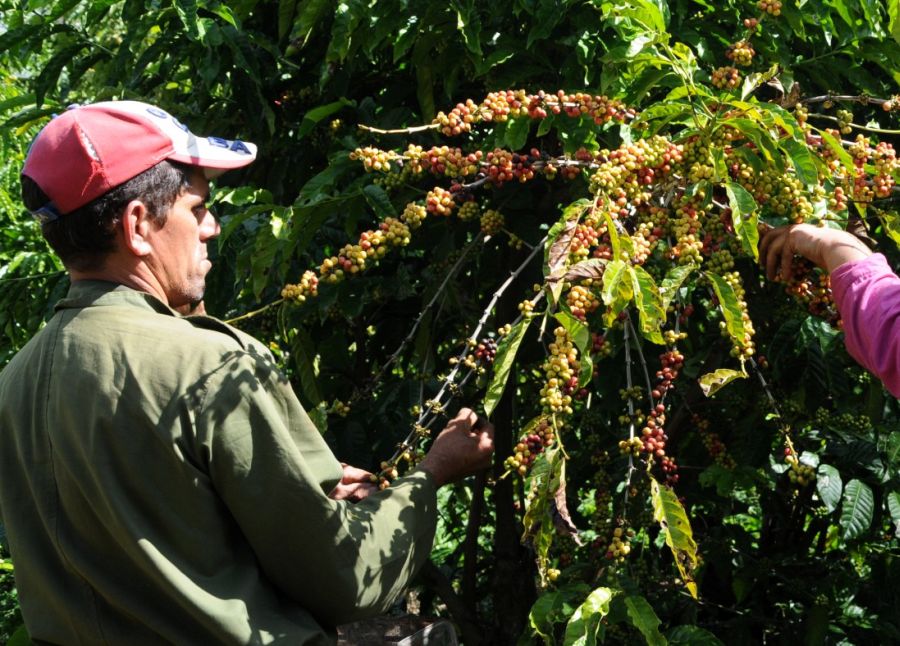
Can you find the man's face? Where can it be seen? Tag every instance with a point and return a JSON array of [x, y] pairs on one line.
[[179, 259]]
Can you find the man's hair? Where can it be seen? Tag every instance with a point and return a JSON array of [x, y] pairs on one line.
[[86, 236]]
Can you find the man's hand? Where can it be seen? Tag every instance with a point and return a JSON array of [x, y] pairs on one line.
[[463, 448], [827, 248], [355, 485]]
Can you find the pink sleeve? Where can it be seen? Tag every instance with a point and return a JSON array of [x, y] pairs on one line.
[[867, 294]]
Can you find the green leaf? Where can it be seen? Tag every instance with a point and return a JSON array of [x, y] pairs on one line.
[[712, 382], [311, 15], [743, 216], [891, 222], [285, 16], [894, 15], [753, 81], [503, 362], [649, 303], [893, 505], [829, 486], [642, 617], [670, 515], [317, 114], [617, 290], [581, 337], [837, 149], [187, 13], [672, 282], [517, 132], [469, 25], [553, 606], [305, 361], [585, 621], [379, 200], [347, 17], [692, 636], [857, 509], [803, 161], [728, 304]]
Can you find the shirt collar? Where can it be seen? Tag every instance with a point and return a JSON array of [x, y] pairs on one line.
[[92, 293]]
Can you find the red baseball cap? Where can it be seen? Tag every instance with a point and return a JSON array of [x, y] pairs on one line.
[[88, 150]]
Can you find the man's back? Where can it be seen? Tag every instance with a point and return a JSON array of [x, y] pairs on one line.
[[106, 486]]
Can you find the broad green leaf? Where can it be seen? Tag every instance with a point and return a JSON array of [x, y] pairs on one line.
[[347, 17], [894, 15], [837, 149], [503, 362], [829, 486], [672, 282], [517, 132], [893, 505], [469, 25], [310, 15], [712, 382], [753, 81], [760, 138], [187, 13], [559, 238], [803, 161], [728, 304], [542, 483], [317, 114], [554, 606], [670, 515], [585, 621], [743, 216], [891, 222], [857, 509], [617, 290], [642, 617], [379, 200], [306, 363], [19, 637], [692, 636], [285, 16], [581, 337], [649, 304]]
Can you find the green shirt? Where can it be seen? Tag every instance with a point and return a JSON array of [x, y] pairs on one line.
[[160, 482]]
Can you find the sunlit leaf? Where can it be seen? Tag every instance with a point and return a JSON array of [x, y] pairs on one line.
[[617, 289], [649, 304], [584, 624], [729, 306], [712, 382], [503, 363], [669, 513], [642, 617], [829, 486], [857, 509], [744, 218]]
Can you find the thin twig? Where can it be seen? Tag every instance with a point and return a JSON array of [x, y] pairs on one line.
[[248, 315], [400, 131], [881, 131]]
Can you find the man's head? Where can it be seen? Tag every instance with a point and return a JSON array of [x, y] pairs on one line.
[[97, 174]]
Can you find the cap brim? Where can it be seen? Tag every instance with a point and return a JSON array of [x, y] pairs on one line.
[[215, 155]]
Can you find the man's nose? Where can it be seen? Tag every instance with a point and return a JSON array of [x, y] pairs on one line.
[[209, 226]]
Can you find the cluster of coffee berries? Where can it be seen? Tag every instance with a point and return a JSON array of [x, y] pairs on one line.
[[339, 408], [619, 546], [632, 446], [530, 446], [297, 293], [771, 7], [500, 106], [884, 158], [799, 474], [492, 222], [526, 307], [726, 77], [560, 369], [374, 158], [891, 104], [743, 346], [741, 53], [811, 287], [469, 211], [486, 350], [713, 443], [686, 227], [413, 215], [844, 119], [351, 259], [625, 173], [440, 201], [600, 346], [582, 300]]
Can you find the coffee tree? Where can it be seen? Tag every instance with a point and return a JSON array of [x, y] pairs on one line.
[[683, 447]]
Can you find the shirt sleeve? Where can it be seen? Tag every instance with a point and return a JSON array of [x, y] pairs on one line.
[[341, 561], [867, 294]]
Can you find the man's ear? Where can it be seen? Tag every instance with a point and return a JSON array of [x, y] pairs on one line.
[[136, 228]]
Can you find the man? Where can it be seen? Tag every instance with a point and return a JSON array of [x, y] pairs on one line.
[[159, 480]]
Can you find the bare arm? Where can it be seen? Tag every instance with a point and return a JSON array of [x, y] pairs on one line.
[[827, 248]]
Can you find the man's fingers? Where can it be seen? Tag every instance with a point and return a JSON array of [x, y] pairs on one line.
[[354, 474]]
